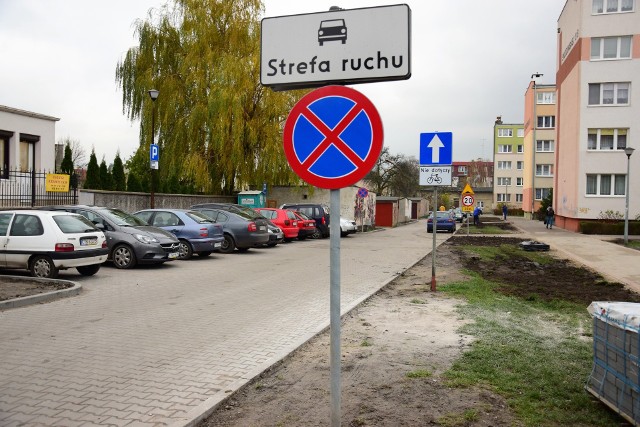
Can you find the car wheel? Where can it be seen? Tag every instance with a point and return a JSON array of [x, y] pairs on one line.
[[271, 244], [243, 249], [184, 250], [204, 254], [302, 237], [123, 257], [43, 266], [88, 270], [228, 245], [316, 234]]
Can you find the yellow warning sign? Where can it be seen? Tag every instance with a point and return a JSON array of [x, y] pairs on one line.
[[468, 189]]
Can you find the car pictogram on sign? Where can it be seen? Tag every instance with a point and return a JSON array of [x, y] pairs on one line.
[[333, 137], [332, 29]]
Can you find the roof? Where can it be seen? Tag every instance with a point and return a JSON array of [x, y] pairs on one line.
[[27, 113]]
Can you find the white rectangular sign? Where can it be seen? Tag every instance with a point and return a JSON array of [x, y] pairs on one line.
[[435, 175], [343, 46]]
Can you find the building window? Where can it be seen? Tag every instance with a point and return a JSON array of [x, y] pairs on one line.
[[520, 148], [608, 93], [519, 182], [504, 197], [503, 133], [606, 185], [505, 148], [462, 170], [504, 165], [519, 165], [520, 132], [544, 146], [5, 137], [611, 6], [542, 193], [544, 170], [610, 48], [504, 181], [546, 121], [546, 97], [607, 139], [519, 198]]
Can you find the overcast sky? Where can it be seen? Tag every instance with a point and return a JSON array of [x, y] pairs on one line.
[[472, 60]]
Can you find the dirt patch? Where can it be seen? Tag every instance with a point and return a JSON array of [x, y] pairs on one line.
[[11, 288], [396, 346]]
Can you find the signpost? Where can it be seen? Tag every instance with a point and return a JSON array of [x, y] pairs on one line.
[[467, 202], [332, 139]]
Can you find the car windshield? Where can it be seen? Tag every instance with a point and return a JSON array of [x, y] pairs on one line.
[[246, 213], [442, 215], [74, 224], [122, 218], [303, 216], [199, 217]]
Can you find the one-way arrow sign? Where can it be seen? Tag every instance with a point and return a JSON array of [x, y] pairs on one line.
[[436, 148]]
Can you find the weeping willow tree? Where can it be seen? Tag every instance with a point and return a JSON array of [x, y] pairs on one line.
[[217, 127]]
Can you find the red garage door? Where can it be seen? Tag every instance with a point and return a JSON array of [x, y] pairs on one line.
[[384, 214]]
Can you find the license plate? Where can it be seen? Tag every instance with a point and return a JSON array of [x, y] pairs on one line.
[[263, 227], [89, 242], [173, 255], [217, 245]]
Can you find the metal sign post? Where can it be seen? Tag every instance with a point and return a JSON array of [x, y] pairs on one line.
[[433, 250], [334, 307]]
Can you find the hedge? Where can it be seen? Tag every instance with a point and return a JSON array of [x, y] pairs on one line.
[[614, 228]]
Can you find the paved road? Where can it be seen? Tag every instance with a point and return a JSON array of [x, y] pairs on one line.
[[161, 345]]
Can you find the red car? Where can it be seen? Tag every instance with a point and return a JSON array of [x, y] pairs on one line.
[[284, 219], [306, 225]]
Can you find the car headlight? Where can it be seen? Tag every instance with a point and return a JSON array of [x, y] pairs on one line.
[[146, 239]]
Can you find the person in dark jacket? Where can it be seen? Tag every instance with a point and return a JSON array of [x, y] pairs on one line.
[[504, 211], [549, 217], [476, 215]]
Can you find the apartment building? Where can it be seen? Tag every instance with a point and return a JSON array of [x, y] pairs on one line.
[[539, 144], [598, 110], [508, 160]]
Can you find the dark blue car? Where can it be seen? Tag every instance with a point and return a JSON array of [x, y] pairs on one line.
[[197, 232], [445, 220]]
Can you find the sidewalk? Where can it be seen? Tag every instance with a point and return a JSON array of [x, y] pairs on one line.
[[614, 262]]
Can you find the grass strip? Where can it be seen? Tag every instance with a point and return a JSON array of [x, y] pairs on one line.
[[537, 355]]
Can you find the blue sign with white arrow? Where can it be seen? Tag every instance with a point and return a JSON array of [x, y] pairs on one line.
[[436, 148]]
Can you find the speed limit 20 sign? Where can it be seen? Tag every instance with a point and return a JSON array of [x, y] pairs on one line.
[[467, 203]]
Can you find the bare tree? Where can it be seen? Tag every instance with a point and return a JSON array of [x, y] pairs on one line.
[[78, 152]]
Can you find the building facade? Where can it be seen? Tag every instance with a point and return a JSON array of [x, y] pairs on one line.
[[598, 92], [539, 145], [508, 160]]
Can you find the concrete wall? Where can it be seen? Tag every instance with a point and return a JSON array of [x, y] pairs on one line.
[[20, 121], [132, 202]]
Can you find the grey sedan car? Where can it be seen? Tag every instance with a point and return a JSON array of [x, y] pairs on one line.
[[243, 227], [130, 240]]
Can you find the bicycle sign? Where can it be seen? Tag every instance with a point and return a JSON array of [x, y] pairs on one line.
[[435, 175]]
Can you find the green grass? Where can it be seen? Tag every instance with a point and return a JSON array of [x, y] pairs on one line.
[[633, 244], [420, 373], [366, 343], [491, 253], [417, 301], [533, 353], [487, 229]]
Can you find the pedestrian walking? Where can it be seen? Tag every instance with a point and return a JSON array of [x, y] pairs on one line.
[[504, 211], [548, 220], [476, 215]]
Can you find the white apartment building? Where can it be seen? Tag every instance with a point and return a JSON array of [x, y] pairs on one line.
[[508, 158], [598, 111]]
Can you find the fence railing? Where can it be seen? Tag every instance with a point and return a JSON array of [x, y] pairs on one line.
[[29, 189]]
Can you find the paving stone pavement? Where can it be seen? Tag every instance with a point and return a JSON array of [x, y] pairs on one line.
[[161, 345]]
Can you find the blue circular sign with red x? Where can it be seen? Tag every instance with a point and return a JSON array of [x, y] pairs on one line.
[[333, 137]]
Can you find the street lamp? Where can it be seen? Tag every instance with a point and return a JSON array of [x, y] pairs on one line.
[[153, 94], [534, 76], [628, 151]]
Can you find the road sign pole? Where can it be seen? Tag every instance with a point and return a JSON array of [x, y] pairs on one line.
[[334, 277], [434, 222]]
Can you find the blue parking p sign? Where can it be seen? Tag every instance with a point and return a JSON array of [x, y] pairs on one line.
[[154, 155], [436, 148]]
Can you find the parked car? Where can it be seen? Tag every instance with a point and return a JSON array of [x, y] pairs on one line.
[[315, 211], [46, 242], [197, 232], [284, 219], [131, 241], [275, 234], [444, 221], [347, 227], [243, 227], [306, 225], [458, 214]]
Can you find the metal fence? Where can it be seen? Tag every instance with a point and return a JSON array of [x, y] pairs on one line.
[[28, 189]]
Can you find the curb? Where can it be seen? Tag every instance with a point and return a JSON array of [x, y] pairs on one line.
[[40, 298]]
